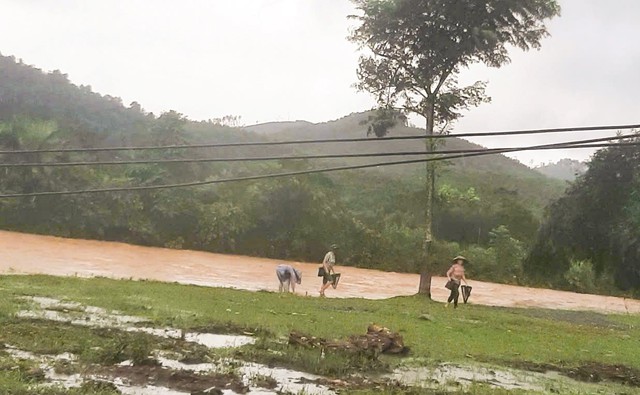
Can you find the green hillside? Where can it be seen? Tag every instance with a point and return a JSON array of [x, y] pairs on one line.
[[487, 174], [485, 206]]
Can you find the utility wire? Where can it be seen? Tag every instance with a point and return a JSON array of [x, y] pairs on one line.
[[321, 141], [570, 145], [288, 174]]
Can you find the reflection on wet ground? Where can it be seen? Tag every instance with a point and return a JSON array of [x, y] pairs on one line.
[[446, 373], [285, 380], [77, 314], [25, 253], [171, 377]]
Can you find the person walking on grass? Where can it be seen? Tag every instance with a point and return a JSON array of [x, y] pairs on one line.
[[288, 277], [455, 275], [328, 263]]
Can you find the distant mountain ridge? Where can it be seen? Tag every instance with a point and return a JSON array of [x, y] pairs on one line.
[[351, 126], [564, 169], [268, 128], [487, 174]]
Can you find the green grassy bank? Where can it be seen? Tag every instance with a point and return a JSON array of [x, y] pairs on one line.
[[433, 333]]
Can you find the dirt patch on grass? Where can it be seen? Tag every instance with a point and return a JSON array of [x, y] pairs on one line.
[[592, 319], [178, 380], [592, 372]]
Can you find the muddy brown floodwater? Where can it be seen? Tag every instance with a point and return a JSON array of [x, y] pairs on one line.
[[27, 253]]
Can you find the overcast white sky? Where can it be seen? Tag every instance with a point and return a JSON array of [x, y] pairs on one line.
[[269, 60]]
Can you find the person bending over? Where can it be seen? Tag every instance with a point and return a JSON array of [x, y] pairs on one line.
[[288, 277]]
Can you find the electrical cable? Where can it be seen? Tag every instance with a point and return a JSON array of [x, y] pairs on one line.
[[322, 141], [270, 158], [294, 173]]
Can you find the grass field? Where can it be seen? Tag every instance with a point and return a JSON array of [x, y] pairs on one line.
[[527, 338]]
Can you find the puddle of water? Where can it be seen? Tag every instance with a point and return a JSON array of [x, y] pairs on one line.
[[46, 362], [77, 314], [76, 380], [288, 380], [218, 341], [444, 374], [147, 390]]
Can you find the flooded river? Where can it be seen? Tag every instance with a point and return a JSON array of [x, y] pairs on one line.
[[26, 253]]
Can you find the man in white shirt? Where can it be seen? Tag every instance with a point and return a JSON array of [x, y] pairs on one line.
[[328, 263]]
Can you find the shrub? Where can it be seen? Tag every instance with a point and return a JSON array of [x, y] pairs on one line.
[[581, 276]]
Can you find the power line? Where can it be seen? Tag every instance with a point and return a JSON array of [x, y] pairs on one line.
[[323, 141], [287, 174], [570, 145]]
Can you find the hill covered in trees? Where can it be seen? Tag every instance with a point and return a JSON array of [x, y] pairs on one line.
[[486, 207], [488, 174], [590, 238]]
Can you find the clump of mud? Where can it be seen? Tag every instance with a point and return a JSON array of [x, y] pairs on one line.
[[377, 340]]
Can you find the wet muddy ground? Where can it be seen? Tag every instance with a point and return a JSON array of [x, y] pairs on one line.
[[26, 253], [161, 372], [164, 373]]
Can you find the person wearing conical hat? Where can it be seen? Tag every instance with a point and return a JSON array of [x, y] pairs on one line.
[[455, 275], [328, 263]]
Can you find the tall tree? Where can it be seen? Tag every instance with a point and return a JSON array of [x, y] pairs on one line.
[[414, 51]]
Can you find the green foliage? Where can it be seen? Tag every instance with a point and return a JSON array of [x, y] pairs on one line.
[[448, 195], [415, 49], [509, 254], [597, 220], [581, 276], [382, 120]]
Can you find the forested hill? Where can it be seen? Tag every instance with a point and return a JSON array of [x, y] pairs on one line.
[[27, 91], [376, 214], [86, 117], [352, 126], [488, 174]]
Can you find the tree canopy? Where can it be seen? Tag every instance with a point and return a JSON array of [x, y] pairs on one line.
[[598, 220], [414, 49]]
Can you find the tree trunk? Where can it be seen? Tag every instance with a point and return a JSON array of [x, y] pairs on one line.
[[426, 274]]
